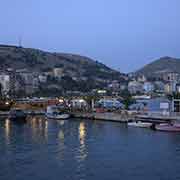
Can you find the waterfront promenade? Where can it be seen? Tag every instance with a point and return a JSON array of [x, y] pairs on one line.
[[121, 117]]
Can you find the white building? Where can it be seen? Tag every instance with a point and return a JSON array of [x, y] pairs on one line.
[[42, 78], [58, 72], [79, 103], [30, 82], [135, 87], [159, 86], [170, 87], [178, 88], [110, 103], [5, 84], [141, 78], [171, 76], [148, 87]]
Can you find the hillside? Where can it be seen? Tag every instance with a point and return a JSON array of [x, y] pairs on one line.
[[162, 65], [40, 61]]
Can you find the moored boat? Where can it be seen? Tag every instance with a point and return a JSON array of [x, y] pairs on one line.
[[53, 112], [168, 127], [177, 125], [140, 124]]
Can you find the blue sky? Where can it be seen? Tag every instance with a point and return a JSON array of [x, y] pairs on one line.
[[124, 34]]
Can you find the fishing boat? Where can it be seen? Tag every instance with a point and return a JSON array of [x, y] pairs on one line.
[[17, 115], [53, 112], [140, 124]]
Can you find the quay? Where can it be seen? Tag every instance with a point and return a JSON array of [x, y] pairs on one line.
[[156, 118], [28, 112], [126, 117], [107, 116], [123, 117]]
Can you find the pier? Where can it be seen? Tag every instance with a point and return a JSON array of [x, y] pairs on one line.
[[156, 119], [123, 117], [107, 116], [126, 117], [28, 112]]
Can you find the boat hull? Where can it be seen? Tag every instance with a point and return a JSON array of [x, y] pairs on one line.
[[58, 117], [167, 128], [140, 124]]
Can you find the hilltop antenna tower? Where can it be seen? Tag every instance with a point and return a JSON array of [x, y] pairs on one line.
[[20, 41]]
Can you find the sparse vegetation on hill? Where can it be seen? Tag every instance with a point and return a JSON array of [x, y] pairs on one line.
[[38, 61], [162, 65]]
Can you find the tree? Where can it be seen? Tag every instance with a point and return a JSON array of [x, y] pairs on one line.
[[175, 95], [127, 98], [0, 91]]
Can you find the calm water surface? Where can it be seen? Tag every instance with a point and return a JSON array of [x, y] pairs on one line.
[[86, 150]]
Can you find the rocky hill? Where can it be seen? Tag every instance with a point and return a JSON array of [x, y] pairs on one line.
[[162, 65], [41, 61]]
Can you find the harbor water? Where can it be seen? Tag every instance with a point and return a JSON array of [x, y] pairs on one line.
[[80, 149]]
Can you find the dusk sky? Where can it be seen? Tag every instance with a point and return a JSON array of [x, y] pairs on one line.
[[123, 34]]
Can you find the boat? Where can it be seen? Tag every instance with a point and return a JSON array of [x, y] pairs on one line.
[[140, 124], [17, 115], [175, 127], [53, 112]]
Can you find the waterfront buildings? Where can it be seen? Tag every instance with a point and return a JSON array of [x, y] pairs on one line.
[[171, 76], [5, 84], [170, 87], [156, 105], [58, 72], [79, 103], [178, 88], [30, 82], [110, 103], [42, 78], [135, 87], [148, 87], [159, 86], [141, 78]]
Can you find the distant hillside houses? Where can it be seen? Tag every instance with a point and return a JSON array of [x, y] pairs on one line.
[[5, 83], [167, 83]]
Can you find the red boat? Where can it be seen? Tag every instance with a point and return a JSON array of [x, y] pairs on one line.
[[168, 127]]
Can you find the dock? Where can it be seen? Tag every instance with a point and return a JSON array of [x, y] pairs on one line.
[[107, 116], [125, 118], [28, 112]]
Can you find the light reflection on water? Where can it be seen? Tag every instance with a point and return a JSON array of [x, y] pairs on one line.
[[7, 131], [81, 149]]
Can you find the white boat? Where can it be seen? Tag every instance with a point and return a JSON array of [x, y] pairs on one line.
[[140, 124], [52, 112]]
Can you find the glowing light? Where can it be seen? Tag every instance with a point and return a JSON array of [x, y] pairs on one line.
[[61, 100], [7, 103], [82, 148], [7, 130], [102, 91], [46, 130], [81, 101], [46, 124]]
